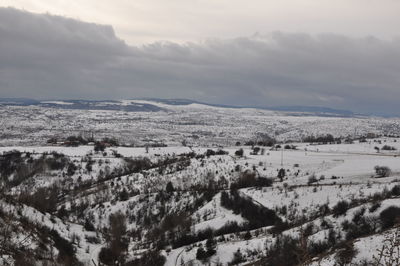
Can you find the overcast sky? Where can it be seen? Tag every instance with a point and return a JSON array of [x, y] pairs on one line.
[[341, 54]]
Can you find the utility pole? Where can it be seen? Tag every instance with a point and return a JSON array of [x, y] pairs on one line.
[[282, 155]]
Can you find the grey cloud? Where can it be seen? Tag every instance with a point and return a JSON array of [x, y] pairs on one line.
[[44, 56]]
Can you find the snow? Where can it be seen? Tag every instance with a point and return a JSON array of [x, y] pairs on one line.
[[204, 127], [216, 215], [57, 102], [69, 151], [197, 124]]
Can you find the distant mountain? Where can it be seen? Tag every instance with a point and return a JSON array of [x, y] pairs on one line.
[[148, 106]]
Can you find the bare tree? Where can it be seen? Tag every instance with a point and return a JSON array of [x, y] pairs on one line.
[[389, 253]]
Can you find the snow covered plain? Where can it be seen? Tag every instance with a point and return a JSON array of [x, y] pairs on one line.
[[171, 199], [196, 124]]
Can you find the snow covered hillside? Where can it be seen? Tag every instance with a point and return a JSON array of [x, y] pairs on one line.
[[198, 185]]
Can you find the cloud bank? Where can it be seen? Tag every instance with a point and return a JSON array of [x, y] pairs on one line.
[[44, 56]]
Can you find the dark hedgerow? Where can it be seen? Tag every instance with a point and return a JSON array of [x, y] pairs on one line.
[[390, 216], [340, 208], [257, 215]]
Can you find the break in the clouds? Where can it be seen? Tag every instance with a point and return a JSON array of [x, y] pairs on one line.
[[45, 56]]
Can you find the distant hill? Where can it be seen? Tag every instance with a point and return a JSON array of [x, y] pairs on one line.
[[18, 101], [313, 109], [293, 110], [85, 105], [148, 106]]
